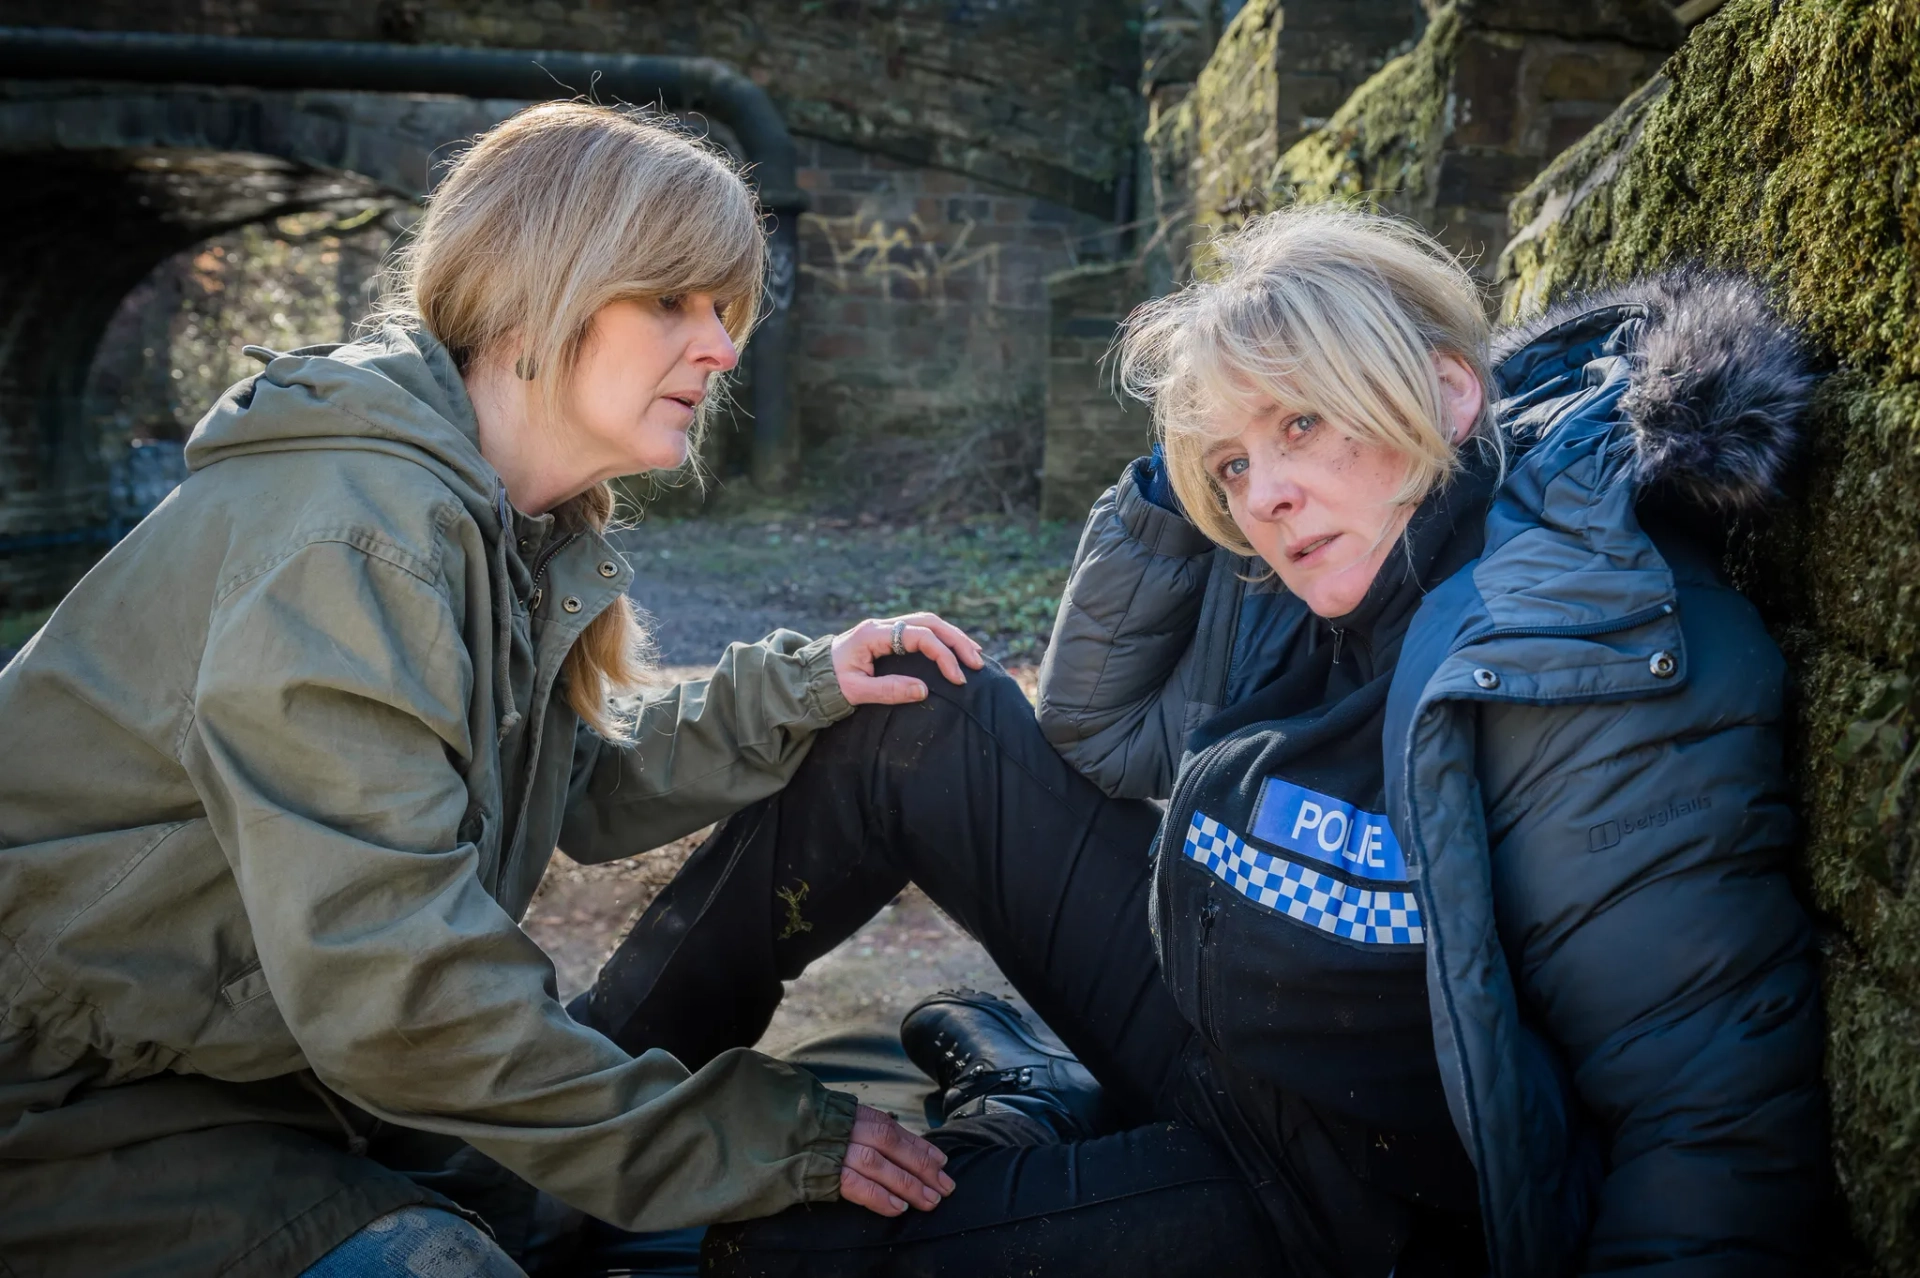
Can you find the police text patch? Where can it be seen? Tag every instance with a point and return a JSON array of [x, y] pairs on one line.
[[1329, 831]]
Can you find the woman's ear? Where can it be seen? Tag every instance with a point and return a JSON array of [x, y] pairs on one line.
[[1461, 393]]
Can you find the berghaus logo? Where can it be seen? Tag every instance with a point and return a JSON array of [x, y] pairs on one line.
[[1609, 833]]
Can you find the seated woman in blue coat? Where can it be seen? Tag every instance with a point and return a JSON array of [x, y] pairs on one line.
[[1402, 841]]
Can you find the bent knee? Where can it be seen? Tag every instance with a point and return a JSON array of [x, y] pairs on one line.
[[987, 690]]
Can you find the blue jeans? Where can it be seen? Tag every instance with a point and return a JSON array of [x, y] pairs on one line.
[[416, 1242]]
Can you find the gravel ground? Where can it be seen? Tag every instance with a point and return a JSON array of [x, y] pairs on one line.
[[709, 582]]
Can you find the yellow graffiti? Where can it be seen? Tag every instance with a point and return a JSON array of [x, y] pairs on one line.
[[870, 249]]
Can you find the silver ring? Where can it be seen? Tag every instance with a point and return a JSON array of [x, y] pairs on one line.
[[899, 629]]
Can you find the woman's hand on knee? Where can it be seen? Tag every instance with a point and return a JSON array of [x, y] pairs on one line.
[[888, 1169], [855, 652]]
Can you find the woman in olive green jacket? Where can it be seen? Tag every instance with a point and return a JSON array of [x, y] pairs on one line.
[[281, 774]]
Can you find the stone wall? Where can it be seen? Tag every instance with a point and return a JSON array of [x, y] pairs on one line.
[[922, 320], [1037, 95], [958, 150], [1447, 133], [1781, 140], [1092, 433], [1279, 71]]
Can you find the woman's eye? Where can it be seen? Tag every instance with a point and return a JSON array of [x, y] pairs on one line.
[[1302, 424], [671, 302], [1233, 468]]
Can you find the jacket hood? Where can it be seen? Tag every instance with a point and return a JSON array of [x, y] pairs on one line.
[[1715, 385], [396, 391]]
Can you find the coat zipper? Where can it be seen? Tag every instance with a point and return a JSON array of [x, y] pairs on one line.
[[1339, 637], [1208, 913], [1172, 836], [509, 846], [540, 569]]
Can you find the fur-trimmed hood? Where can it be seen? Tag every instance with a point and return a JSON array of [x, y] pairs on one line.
[[1716, 388]]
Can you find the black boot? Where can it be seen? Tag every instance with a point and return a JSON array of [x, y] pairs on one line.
[[986, 1057]]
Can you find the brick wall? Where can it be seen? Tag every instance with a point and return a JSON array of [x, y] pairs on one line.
[[959, 151], [922, 313], [1091, 432], [1448, 133], [1037, 95]]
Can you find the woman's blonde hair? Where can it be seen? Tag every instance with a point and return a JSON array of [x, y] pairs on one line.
[[546, 218], [1323, 309]]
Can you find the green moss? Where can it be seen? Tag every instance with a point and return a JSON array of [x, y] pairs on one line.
[[1383, 145], [1873, 1073], [1173, 140], [1785, 144], [1236, 107], [1781, 140], [1566, 214]]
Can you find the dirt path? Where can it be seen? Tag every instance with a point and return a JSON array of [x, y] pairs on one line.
[[708, 583]]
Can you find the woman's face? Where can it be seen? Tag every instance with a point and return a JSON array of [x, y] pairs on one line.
[[644, 367], [1317, 504]]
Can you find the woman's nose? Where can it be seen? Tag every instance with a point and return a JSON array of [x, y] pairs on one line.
[[712, 347], [1272, 494]]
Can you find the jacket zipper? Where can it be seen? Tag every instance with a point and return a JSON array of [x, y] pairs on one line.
[[1339, 637], [1172, 835], [540, 569], [1208, 913], [531, 760]]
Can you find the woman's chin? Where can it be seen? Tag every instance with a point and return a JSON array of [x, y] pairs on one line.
[[1332, 594], [666, 450]]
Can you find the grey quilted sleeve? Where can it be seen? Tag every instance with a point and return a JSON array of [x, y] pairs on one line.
[[1113, 698]]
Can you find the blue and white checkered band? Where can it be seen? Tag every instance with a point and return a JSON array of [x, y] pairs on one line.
[[1368, 915]]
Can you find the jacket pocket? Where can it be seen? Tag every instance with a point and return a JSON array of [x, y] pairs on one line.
[[245, 988]]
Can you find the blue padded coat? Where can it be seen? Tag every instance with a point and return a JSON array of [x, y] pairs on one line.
[[1583, 763]]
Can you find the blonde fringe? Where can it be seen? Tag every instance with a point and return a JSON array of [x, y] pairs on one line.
[[1323, 309]]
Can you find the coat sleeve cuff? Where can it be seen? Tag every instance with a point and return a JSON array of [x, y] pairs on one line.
[[825, 701], [1158, 530], [828, 1151]]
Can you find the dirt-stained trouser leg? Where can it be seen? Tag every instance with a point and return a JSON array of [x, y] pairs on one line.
[[961, 794]]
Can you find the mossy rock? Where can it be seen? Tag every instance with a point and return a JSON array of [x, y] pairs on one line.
[[1279, 70], [1236, 106], [1173, 144], [1783, 140], [1384, 143], [1448, 132]]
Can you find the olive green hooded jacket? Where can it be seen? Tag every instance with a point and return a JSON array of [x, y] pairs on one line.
[[278, 779]]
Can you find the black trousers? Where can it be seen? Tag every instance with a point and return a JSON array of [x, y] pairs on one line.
[[1209, 1172]]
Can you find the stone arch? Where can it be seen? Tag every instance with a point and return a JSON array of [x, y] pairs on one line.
[[106, 182]]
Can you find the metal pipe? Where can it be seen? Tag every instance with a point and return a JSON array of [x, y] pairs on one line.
[[677, 83]]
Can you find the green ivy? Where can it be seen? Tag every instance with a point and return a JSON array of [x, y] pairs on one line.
[[1884, 733]]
